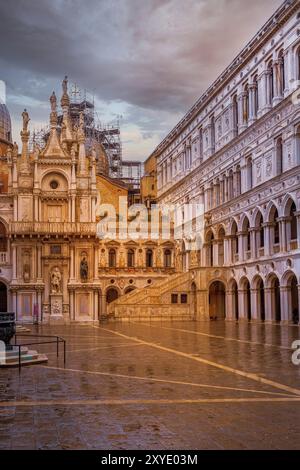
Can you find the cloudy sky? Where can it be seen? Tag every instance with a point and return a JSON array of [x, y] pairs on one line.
[[146, 60]]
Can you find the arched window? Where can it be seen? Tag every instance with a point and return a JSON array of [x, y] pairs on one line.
[[168, 259], [210, 249], [246, 104], [260, 234], [256, 96], [221, 238], [149, 258], [234, 243], [201, 144], [279, 156], [281, 63], [275, 235], [249, 173], [246, 229], [112, 258], [130, 258], [271, 81], [235, 114], [298, 64], [3, 238], [238, 185], [230, 185], [294, 229]]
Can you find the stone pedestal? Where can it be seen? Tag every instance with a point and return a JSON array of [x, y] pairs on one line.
[[56, 309]]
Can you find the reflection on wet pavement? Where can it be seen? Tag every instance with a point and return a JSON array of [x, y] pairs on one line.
[[157, 385]]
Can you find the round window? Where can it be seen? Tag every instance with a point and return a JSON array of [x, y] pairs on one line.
[[54, 184]]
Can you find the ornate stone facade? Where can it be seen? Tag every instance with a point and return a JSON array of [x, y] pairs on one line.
[[53, 267], [237, 152]]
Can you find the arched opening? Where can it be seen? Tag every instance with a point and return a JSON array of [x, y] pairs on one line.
[[279, 156], [112, 261], [234, 304], [167, 258], [3, 297], [235, 114], [234, 243], [256, 95], [130, 258], [274, 232], [238, 188], [217, 295], [149, 259], [298, 64], [3, 238], [293, 300], [194, 300], [271, 82], [260, 234], [129, 289], [261, 300], [210, 249], [292, 225], [221, 238], [246, 104], [275, 301], [111, 295], [230, 186], [281, 64], [247, 238]]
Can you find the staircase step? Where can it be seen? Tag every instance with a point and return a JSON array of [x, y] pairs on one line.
[[32, 357]]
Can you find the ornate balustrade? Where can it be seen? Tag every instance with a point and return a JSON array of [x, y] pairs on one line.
[[57, 228]]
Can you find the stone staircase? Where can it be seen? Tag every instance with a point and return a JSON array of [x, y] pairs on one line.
[[28, 357], [153, 302]]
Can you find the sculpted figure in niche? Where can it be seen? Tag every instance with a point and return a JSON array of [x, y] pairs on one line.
[[56, 281], [84, 269]]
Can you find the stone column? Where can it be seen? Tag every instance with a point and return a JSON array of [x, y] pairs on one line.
[[242, 304], [269, 307], [253, 243], [282, 231], [277, 77], [255, 307], [285, 304], [267, 79], [241, 245]]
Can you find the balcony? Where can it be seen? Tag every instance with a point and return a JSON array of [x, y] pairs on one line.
[[53, 228]]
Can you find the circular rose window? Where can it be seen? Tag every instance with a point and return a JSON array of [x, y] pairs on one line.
[[54, 184]]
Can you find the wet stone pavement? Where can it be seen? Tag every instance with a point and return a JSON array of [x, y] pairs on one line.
[[179, 385]]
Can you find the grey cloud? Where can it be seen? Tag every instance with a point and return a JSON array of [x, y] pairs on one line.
[[157, 56]]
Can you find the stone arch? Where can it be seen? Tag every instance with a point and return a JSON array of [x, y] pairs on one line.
[[273, 301], [290, 296], [129, 289], [112, 293], [217, 300], [221, 241], [258, 289], [209, 243], [63, 176], [270, 208], [287, 203]]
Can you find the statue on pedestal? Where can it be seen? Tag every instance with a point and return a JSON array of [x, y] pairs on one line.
[[56, 281]]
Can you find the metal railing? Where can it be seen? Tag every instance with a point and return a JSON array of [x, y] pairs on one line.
[[54, 340]]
